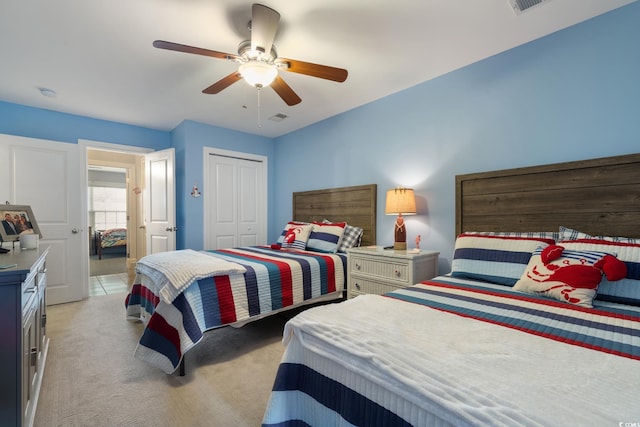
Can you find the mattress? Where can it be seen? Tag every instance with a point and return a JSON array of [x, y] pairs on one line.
[[457, 352]]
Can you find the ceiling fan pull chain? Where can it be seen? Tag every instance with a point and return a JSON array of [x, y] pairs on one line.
[[259, 115]]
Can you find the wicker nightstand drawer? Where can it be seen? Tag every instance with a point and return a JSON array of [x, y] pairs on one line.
[[396, 271], [364, 286], [373, 270]]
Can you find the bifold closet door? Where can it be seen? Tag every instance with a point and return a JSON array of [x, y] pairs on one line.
[[236, 201]]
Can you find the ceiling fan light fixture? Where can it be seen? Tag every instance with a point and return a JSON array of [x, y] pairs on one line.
[[259, 64], [257, 73]]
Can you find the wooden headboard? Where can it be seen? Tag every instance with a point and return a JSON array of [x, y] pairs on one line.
[[598, 197], [353, 205]]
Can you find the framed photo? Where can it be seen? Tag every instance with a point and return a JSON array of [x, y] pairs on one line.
[[16, 221]]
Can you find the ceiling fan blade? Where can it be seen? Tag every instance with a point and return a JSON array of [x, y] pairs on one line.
[[264, 25], [161, 44], [223, 83], [285, 92], [314, 70]]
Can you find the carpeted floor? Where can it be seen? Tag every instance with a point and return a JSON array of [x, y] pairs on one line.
[[92, 379]]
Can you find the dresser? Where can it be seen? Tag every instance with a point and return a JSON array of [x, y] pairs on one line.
[[374, 270], [23, 340]]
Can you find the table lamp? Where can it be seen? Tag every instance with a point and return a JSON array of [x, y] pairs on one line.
[[400, 201]]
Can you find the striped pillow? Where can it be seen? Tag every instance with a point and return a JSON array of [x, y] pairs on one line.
[[627, 290], [494, 259], [325, 237]]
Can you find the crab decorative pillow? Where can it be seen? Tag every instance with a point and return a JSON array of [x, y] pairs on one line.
[[295, 235], [569, 275]]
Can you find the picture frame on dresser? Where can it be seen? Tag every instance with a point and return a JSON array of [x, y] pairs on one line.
[[17, 220]]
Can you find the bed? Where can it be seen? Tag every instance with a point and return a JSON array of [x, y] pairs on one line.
[[482, 345], [180, 295], [111, 240]]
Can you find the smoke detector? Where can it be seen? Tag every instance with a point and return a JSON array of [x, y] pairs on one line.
[[520, 6]]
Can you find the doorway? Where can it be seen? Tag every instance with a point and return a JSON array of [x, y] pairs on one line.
[[112, 216], [107, 226]]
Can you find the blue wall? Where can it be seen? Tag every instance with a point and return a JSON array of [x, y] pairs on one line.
[[572, 95], [45, 124], [569, 96], [189, 140]]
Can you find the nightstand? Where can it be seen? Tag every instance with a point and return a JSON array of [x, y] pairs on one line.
[[374, 270]]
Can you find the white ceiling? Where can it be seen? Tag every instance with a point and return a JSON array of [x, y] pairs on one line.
[[99, 59]]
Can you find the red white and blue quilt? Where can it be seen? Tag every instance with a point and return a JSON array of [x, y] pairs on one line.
[[274, 280]]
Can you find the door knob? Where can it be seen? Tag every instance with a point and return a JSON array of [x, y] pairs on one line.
[[75, 230]]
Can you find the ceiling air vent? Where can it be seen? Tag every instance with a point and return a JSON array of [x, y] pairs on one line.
[[520, 6], [278, 117]]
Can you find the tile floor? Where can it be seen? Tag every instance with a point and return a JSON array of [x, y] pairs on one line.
[[108, 284]]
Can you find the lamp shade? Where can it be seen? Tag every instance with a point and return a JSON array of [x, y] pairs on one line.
[[257, 73], [400, 201]]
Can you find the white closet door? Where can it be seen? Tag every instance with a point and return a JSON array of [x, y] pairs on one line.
[[248, 202], [235, 200], [223, 203]]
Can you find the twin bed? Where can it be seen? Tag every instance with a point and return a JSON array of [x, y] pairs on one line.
[[503, 339], [180, 295], [111, 240]]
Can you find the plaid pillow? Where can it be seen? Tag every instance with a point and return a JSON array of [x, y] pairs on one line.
[[571, 234], [351, 238], [527, 234]]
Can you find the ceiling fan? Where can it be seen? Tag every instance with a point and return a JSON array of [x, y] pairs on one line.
[[258, 59]]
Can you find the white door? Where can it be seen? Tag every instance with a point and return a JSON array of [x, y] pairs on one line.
[[159, 201], [47, 175], [235, 199]]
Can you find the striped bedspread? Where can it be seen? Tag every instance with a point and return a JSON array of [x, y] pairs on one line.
[[456, 352], [274, 281], [611, 331]]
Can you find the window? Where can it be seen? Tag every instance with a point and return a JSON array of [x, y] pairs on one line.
[[108, 207]]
